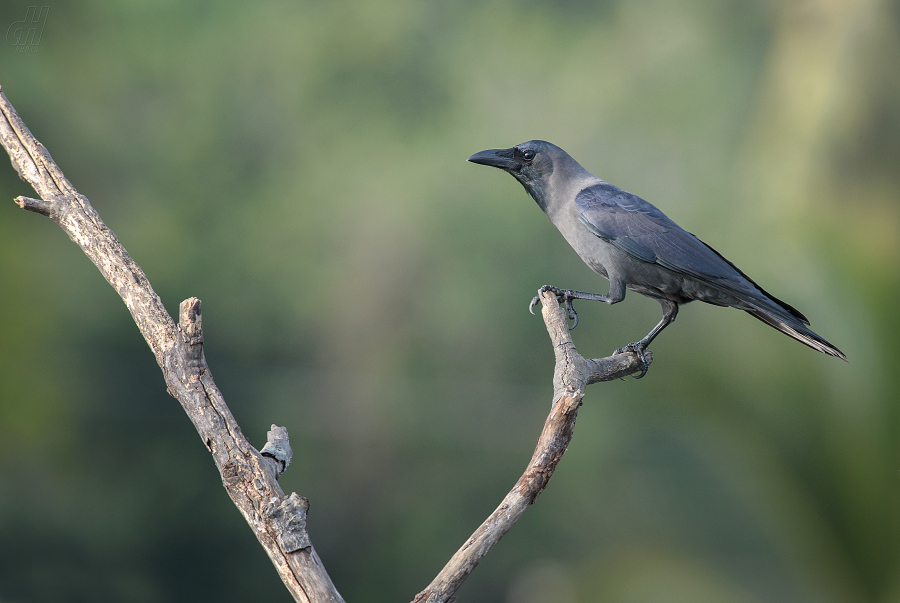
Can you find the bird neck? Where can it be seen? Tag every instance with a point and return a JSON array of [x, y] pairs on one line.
[[538, 190], [559, 192]]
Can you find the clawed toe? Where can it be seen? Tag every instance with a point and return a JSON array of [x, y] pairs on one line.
[[537, 298], [573, 315], [638, 349], [562, 296]]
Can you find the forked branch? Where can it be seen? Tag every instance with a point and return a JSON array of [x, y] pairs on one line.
[[250, 476], [571, 375]]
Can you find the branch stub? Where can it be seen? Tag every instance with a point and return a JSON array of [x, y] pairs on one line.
[[278, 447]]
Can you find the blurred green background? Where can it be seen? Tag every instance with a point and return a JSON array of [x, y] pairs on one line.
[[300, 167]]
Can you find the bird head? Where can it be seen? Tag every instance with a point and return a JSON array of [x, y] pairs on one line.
[[532, 163]]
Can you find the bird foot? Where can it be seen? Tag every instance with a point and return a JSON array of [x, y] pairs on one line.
[[562, 296], [638, 348]]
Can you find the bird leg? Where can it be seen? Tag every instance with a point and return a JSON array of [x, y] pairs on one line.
[[670, 311], [567, 296]]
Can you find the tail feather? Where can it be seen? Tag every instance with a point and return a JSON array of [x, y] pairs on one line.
[[794, 328], [781, 305]]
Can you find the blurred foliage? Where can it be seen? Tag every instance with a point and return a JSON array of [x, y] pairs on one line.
[[299, 166]]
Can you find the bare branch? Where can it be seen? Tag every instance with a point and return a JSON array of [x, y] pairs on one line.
[[278, 521], [571, 375]]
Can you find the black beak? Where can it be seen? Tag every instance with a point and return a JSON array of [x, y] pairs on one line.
[[499, 158]]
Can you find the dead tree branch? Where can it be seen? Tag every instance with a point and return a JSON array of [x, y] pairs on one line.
[[278, 521], [571, 375], [250, 476]]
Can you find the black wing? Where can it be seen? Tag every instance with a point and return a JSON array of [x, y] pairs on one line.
[[641, 230]]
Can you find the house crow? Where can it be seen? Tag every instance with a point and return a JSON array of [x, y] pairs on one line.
[[636, 247]]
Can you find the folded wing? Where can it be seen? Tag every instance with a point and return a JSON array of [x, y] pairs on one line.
[[644, 232]]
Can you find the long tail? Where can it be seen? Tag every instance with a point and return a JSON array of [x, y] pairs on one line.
[[792, 327]]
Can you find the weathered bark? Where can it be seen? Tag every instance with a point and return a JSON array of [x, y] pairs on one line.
[[250, 476], [571, 375]]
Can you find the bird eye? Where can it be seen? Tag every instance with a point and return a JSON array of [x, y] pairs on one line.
[[528, 155]]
